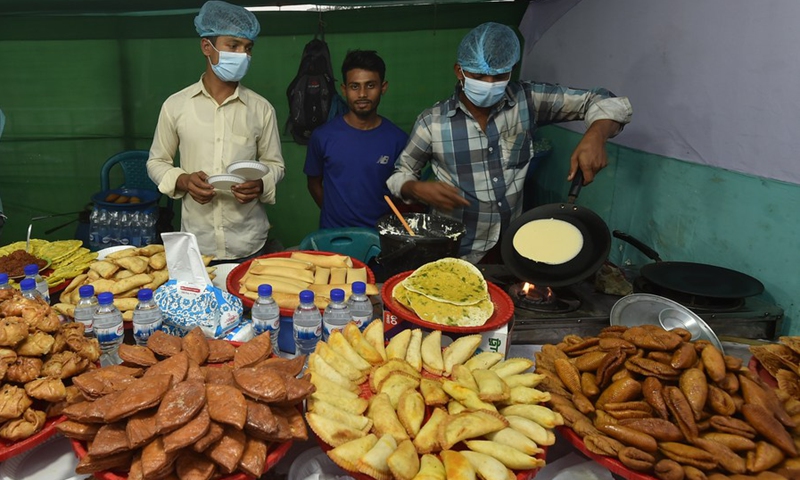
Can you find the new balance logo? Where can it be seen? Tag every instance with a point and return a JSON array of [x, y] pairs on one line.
[[383, 160]]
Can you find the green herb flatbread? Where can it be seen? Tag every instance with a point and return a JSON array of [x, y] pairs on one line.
[[449, 280], [444, 313]]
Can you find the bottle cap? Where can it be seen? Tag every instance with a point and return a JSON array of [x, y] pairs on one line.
[[359, 288], [145, 295], [31, 269], [27, 284], [105, 298], [3, 278], [264, 290], [306, 296], [86, 291], [337, 295]]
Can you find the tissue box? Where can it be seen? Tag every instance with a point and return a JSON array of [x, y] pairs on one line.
[[188, 305], [497, 340]]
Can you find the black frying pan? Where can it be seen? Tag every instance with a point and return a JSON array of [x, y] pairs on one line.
[[596, 243], [698, 279]]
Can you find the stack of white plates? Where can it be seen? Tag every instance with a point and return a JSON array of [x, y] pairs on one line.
[[248, 169]]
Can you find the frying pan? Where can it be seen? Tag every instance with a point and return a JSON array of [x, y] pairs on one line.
[[596, 243], [698, 279]]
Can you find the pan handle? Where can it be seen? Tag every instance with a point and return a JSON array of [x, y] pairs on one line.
[[652, 254], [575, 188]]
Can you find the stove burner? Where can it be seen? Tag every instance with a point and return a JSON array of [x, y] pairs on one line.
[[697, 303], [542, 299]]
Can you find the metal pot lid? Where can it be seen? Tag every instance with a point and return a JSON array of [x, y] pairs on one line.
[[644, 309]]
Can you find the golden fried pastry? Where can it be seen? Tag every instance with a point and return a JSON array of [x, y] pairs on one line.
[[332, 432], [177, 365], [404, 461], [195, 345], [531, 429], [87, 348], [78, 430], [339, 363], [361, 345], [102, 381], [344, 417], [24, 369], [110, 439], [767, 425], [374, 463], [491, 388], [384, 418], [427, 440], [32, 421], [89, 464], [13, 401], [222, 375], [13, 330], [347, 454], [713, 363], [430, 468], [220, 351], [317, 364], [141, 394], [215, 432], [191, 466], [727, 458], [35, 345], [463, 376], [46, 388], [511, 366], [413, 352], [466, 396], [137, 355], [411, 411], [396, 384], [460, 351], [164, 344], [375, 336], [660, 429], [380, 373], [487, 467], [289, 366], [253, 351], [688, 455], [432, 392], [341, 346], [263, 384], [180, 405], [513, 438], [469, 425], [508, 456], [538, 413], [254, 457], [398, 345], [141, 428], [652, 339], [228, 450], [457, 466], [226, 405], [156, 463]]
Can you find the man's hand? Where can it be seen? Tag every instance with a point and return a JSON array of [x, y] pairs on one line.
[[248, 191], [436, 194], [196, 186], [590, 154]]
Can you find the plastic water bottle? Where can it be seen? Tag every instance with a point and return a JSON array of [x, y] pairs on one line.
[[148, 226], [307, 324], [124, 228], [136, 228], [108, 327], [94, 230], [4, 282], [28, 288], [360, 305], [104, 229], [85, 309], [336, 315], [147, 317], [114, 227], [32, 271], [266, 314]]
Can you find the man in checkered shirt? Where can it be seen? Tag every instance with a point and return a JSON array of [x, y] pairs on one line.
[[479, 142]]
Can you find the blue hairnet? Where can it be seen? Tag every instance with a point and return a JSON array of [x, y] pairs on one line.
[[221, 18], [489, 49]]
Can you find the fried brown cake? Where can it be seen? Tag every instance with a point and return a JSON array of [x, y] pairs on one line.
[[142, 394], [137, 355], [253, 351], [176, 365], [164, 344], [227, 405], [261, 423], [254, 457], [189, 433], [263, 384], [110, 439], [220, 351], [195, 345], [228, 450], [180, 405]]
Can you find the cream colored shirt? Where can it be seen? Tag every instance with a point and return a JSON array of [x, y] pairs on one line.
[[209, 137]]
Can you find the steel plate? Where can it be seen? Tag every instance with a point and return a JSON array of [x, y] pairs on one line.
[[643, 309]]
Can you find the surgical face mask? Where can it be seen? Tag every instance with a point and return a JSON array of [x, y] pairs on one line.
[[231, 67], [484, 94]]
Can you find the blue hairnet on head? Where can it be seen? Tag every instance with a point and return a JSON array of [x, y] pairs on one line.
[[489, 49], [221, 18]]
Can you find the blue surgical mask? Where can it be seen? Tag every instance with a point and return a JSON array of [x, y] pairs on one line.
[[231, 67], [484, 94]]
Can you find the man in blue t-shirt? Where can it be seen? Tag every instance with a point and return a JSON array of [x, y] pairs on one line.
[[350, 158]]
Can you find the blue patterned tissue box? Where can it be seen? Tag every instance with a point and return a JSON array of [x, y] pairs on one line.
[[188, 305]]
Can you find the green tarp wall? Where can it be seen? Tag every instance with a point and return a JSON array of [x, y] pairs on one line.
[[77, 89]]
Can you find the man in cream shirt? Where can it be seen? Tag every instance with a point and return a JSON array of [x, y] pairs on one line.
[[212, 124]]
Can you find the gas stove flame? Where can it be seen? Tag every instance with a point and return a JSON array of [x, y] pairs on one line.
[[542, 294]]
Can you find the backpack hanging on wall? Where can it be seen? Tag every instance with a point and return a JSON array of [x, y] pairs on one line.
[[312, 93]]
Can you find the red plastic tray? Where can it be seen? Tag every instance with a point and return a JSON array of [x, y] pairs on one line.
[[273, 457], [238, 272], [11, 449], [756, 367], [611, 463], [503, 308]]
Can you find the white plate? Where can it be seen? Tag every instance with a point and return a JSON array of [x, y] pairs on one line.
[[225, 182], [51, 460], [249, 169], [643, 309], [101, 254], [222, 272]]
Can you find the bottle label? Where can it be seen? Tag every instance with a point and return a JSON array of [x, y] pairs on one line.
[[307, 333], [361, 321], [141, 332], [261, 326], [84, 317], [109, 335]]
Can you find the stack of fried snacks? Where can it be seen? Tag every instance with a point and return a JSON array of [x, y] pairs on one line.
[[303, 271], [68, 258], [166, 412], [670, 407], [122, 273], [782, 361], [372, 404], [38, 358]]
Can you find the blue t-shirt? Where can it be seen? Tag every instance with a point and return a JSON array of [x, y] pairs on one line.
[[354, 166]]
